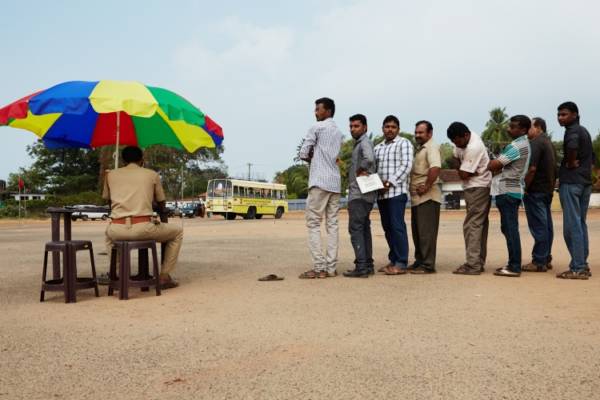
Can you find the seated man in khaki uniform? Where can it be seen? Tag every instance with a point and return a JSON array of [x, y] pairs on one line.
[[131, 191]]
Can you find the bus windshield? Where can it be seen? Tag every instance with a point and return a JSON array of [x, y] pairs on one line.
[[220, 188]]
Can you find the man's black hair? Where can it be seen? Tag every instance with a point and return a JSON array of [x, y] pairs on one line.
[[523, 121], [539, 123], [569, 105], [328, 104], [359, 117], [391, 118], [132, 154], [457, 129], [427, 124]]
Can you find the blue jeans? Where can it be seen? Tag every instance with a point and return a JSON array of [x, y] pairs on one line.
[[509, 224], [392, 221], [539, 219], [575, 199]]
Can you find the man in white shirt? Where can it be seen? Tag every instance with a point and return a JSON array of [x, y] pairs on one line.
[[321, 149], [472, 160]]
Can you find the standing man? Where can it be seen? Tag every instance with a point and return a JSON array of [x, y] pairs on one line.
[[360, 204], [321, 148], [514, 164], [575, 177], [539, 183], [394, 161], [131, 191], [425, 198], [472, 159]]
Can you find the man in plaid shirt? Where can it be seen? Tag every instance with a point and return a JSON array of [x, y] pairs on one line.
[[394, 158]]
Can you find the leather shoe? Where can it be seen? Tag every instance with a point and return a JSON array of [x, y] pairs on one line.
[[355, 273]]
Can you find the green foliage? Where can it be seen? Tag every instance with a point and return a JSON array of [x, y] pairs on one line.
[[596, 147], [495, 136], [37, 208], [296, 180], [447, 153], [58, 171]]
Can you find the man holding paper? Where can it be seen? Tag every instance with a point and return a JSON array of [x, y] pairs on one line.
[[360, 204], [394, 161]]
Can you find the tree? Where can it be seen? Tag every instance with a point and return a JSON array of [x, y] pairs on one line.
[[495, 135], [59, 171], [596, 148], [446, 153], [296, 180]]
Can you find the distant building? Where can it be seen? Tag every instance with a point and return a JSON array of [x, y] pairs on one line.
[[452, 188], [2, 186], [28, 196]]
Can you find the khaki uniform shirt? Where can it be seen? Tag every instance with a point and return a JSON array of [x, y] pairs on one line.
[[426, 156], [131, 190]]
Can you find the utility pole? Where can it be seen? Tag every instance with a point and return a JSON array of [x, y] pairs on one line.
[[249, 167]]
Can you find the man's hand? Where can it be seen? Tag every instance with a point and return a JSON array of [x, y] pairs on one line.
[[386, 187], [422, 189], [573, 164], [361, 172]]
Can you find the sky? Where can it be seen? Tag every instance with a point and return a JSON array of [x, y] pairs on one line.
[[257, 67]]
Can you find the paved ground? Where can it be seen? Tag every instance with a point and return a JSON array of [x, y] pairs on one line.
[[223, 335]]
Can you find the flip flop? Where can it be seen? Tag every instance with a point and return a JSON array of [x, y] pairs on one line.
[[270, 277]]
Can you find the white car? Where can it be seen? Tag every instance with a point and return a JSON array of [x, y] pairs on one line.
[[90, 211]]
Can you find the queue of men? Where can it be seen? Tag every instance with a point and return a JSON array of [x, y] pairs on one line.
[[523, 173]]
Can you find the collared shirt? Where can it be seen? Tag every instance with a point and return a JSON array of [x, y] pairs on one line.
[[577, 138], [394, 162], [427, 156], [543, 157], [131, 191], [515, 159], [325, 139], [363, 158], [474, 159]]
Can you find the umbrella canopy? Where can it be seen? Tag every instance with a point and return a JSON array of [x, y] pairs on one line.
[[94, 114]]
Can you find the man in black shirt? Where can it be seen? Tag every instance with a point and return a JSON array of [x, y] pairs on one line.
[[539, 188], [575, 176]]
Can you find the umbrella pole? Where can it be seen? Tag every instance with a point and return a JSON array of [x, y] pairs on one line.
[[118, 139]]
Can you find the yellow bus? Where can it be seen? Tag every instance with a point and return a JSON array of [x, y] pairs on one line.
[[248, 199]]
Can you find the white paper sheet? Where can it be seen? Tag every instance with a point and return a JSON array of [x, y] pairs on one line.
[[369, 183]]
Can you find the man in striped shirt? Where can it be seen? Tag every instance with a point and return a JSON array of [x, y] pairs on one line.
[[394, 161], [321, 149], [514, 163]]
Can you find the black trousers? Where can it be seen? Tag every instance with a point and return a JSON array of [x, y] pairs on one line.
[[425, 221], [359, 228]]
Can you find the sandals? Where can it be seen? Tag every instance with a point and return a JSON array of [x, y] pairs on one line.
[[310, 274], [270, 277], [573, 275]]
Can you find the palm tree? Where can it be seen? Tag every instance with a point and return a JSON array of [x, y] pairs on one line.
[[495, 135]]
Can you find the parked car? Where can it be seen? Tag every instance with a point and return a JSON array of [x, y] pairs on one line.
[[90, 211]]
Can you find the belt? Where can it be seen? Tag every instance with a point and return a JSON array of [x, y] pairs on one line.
[[134, 220]]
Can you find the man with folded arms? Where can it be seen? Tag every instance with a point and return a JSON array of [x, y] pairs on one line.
[[131, 191], [425, 198], [472, 160], [513, 164]]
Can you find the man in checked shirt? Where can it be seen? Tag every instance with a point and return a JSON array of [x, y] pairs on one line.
[[321, 149], [394, 158]]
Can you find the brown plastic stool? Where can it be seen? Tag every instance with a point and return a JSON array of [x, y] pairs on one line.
[[69, 283], [122, 249]]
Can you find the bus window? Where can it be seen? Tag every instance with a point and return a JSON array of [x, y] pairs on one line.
[[236, 191]]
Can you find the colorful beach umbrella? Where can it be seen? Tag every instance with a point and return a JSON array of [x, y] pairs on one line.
[[93, 114]]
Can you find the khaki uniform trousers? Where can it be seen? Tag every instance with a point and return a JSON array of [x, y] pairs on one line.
[[475, 226], [321, 203], [171, 234]]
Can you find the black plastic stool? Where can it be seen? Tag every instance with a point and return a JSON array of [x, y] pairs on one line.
[[122, 249], [69, 283]]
